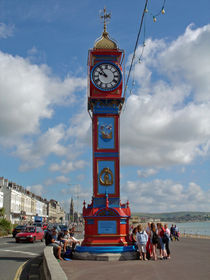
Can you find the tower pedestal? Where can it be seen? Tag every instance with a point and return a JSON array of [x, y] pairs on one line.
[[105, 253], [106, 234]]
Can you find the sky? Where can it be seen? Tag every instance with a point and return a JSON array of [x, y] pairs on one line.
[[45, 129]]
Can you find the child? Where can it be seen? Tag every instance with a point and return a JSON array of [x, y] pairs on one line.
[[142, 239]]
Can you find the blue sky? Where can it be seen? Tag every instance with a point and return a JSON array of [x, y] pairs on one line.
[[45, 138]]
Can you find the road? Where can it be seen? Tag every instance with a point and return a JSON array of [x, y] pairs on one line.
[[13, 254]]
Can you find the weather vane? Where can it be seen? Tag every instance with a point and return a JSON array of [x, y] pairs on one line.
[[105, 17]]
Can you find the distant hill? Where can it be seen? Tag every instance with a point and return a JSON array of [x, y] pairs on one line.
[[183, 216]]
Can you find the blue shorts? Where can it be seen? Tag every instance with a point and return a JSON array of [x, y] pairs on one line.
[[162, 245]]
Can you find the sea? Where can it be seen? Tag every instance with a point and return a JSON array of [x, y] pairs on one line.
[[197, 228]]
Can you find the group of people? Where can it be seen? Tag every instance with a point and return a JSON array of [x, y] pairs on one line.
[[174, 233], [148, 241], [60, 240]]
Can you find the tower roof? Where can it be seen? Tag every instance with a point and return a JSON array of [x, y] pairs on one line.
[[104, 42]]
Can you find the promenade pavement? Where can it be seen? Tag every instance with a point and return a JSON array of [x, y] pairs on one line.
[[190, 260]]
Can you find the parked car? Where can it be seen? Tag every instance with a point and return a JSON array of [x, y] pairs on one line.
[[18, 229], [30, 234]]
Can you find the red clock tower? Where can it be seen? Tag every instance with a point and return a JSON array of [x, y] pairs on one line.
[[106, 218]]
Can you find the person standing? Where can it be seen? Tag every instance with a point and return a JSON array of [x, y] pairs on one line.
[[172, 232], [154, 239], [142, 239], [167, 235], [149, 245], [161, 233], [133, 237]]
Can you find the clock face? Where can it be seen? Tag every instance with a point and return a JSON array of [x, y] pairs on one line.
[[106, 76]]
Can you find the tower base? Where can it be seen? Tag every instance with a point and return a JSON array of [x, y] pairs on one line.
[[105, 253]]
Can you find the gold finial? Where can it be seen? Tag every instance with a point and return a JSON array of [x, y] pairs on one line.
[[105, 17], [104, 42]]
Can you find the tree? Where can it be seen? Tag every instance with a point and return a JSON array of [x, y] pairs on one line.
[[2, 212]]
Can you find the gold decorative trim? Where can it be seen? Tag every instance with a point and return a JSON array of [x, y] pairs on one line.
[[98, 183], [113, 133], [106, 177]]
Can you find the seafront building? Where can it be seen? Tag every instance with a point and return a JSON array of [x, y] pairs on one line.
[[1, 197], [21, 205]]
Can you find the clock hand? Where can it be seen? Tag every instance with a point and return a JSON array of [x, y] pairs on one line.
[[102, 72]]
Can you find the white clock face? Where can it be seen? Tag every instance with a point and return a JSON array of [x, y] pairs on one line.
[[106, 76]]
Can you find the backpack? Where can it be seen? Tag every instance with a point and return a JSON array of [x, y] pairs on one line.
[[165, 238], [155, 238]]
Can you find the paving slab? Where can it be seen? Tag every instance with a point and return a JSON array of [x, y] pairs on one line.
[[190, 260]]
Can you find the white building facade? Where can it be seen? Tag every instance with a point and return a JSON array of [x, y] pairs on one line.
[[21, 206]]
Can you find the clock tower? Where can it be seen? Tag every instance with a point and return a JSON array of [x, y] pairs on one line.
[[106, 218]]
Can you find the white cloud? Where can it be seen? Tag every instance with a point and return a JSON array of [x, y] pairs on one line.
[[80, 126], [168, 123], [6, 30], [66, 167], [146, 173], [37, 189], [57, 180], [187, 58], [33, 153], [62, 179], [165, 196], [28, 93]]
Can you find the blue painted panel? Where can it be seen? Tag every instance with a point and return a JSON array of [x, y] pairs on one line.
[[107, 227], [123, 222], [90, 221], [106, 57], [100, 154], [99, 202], [105, 110], [106, 189], [106, 106], [106, 133], [114, 202], [104, 249]]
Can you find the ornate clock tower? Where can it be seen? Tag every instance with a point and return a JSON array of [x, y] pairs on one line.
[[106, 218]]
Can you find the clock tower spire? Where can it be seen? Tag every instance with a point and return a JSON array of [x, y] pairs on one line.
[[105, 16], [104, 42]]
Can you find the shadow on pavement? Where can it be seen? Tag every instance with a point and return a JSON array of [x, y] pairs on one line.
[[18, 259], [33, 269]]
